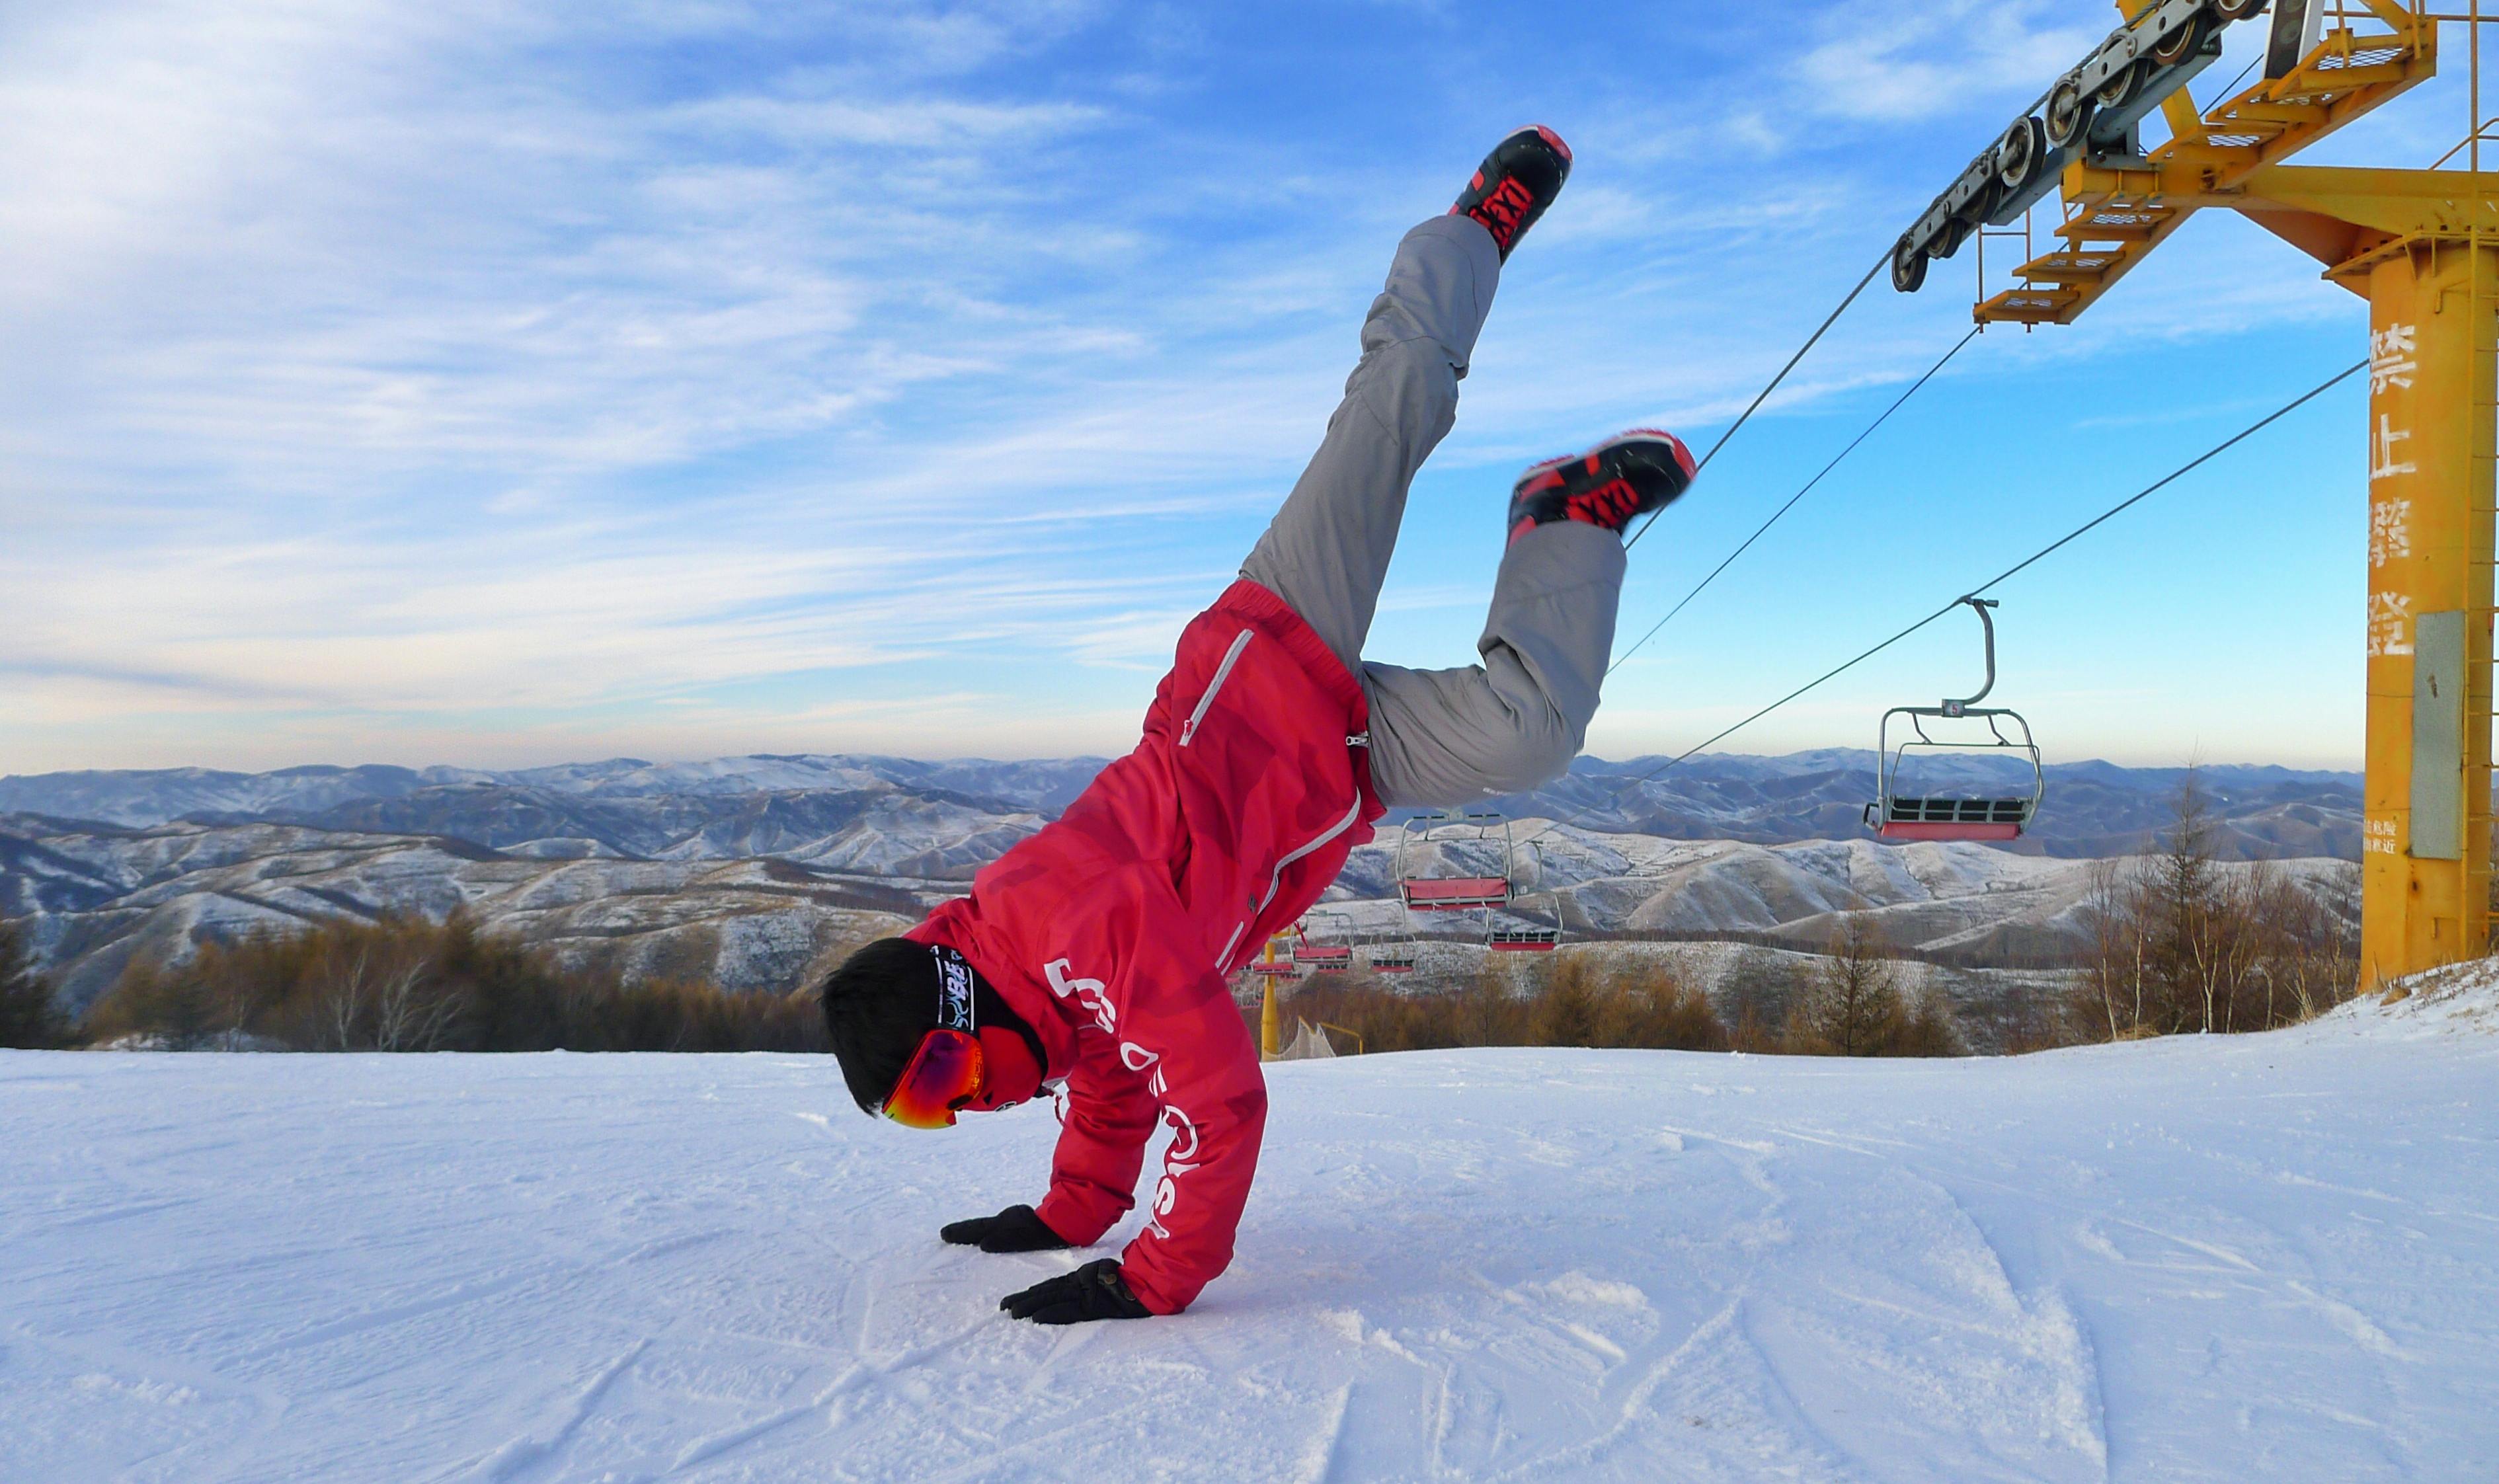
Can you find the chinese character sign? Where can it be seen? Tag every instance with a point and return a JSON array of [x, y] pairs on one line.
[[2394, 359], [2383, 462], [2391, 531], [2391, 627], [2391, 360]]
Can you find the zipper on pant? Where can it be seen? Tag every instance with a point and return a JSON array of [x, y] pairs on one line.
[[1222, 672]]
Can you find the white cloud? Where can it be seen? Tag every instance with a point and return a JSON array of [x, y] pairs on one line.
[[1900, 60], [412, 365]]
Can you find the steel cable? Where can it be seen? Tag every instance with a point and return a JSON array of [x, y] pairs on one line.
[[1860, 437], [1763, 395]]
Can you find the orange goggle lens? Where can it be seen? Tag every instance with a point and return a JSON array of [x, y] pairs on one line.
[[944, 1073]]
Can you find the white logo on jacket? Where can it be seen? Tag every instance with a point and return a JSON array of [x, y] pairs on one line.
[[1178, 1159], [1088, 993]]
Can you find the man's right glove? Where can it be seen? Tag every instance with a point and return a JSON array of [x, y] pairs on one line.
[[1016, 1229], [1094, 1291]]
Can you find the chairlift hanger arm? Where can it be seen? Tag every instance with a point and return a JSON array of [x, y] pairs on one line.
[[1979, 605]]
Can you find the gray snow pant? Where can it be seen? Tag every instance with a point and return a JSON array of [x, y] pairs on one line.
[[1441, 737]]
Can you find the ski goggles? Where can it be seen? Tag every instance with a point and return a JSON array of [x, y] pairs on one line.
[[944, 1073], [947, 1070]]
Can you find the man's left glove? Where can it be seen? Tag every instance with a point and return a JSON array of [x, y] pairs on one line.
[[1016, 1229], [1094, 1291]]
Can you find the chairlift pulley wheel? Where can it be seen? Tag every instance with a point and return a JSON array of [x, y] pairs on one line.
[[1908, 266], [2020, 154], [2067, 117], [2180, 45], [2119, 89], [2236, 9]]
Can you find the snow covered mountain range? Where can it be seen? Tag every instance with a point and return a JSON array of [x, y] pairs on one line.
[[756, 872], [862, 810]]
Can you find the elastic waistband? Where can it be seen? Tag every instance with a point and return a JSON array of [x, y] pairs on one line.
[[1260, 605]]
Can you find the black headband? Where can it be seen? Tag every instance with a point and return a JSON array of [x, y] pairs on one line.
[[954, 981]]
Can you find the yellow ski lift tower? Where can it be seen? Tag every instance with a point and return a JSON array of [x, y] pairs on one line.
[[1269, 968], [2422, 247]]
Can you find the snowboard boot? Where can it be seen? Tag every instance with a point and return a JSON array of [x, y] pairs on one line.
[[1628, 474], [1515, 183]]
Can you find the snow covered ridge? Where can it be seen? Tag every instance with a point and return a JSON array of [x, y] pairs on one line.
[[2264, 1257], [769, 804], [97, 896]]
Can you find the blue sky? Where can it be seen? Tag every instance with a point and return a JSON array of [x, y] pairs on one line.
[[492, 385]]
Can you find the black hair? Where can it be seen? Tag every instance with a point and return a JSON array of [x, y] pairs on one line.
[[878, 1005], [882, 1000]]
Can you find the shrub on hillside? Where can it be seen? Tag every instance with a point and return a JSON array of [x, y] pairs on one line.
[[406, 985], [1569, 998], [30, 1017]]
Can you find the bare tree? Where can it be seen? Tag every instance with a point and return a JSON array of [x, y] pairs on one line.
[[2181, 942], [2182, 884], [2114, 968], [410, 1013], [1855, 1005], [343, 1004]]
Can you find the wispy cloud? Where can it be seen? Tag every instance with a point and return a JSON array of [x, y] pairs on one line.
[[503, 378]]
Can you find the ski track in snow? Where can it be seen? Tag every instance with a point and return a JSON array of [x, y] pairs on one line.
[[2202, 1259]]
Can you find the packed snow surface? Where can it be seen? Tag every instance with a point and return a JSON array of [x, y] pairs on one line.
[[2267, 1257]]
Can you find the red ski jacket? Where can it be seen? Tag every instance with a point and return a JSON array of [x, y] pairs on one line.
[[1113, 930]]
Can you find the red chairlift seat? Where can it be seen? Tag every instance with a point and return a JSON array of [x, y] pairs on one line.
[[1433, 839], [1955, 818], [1434, 873], [1324, 958], [1529, 937], [1327, 953], [1454, 894]]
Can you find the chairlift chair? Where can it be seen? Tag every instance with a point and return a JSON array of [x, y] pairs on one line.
[[1535, 935], [1329, 953], [1392, 959], [1926, 815], [1534, 938], [1271, 965], [1426, 884]]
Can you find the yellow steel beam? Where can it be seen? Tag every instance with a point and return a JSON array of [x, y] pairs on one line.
[[2397, 203], [2212, 158]]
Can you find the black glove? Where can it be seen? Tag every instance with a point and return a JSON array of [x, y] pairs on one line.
[[1016, 1229], [1094, 1291]]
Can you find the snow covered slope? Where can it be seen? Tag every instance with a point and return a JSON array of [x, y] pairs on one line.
[[2269, 1258]]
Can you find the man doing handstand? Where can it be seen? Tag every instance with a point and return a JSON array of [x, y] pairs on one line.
[[1095, 954]]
